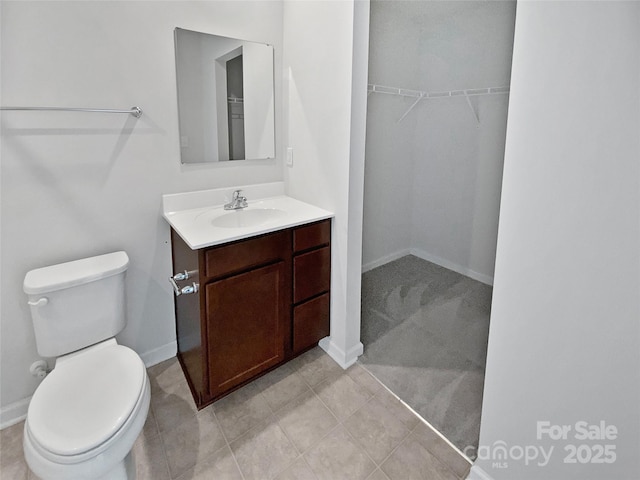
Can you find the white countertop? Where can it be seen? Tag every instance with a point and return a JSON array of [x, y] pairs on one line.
[[196, 227]]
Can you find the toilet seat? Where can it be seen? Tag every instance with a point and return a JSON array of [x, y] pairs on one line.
[[86, 401]]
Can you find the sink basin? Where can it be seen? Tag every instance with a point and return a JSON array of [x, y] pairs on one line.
[[248, 217]]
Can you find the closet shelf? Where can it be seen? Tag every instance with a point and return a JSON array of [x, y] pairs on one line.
[[422, 95]]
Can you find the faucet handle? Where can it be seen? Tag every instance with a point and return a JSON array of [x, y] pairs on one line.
[[236, 194]]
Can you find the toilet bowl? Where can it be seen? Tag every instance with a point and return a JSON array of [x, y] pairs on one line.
[[87, 413]]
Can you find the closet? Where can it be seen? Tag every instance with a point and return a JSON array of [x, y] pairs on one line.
[[438, 95]]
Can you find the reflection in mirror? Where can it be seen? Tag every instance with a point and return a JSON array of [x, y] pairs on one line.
[[225, 98]]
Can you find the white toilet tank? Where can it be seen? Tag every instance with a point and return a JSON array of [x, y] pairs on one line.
[[76, 304]]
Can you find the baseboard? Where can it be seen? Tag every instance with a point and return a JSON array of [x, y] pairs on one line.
[[386, 259], [14, 412], [160, 354], [342, 358], [467, 272], [476, 473]]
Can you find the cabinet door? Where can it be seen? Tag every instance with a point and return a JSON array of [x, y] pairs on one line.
[[245, 325]]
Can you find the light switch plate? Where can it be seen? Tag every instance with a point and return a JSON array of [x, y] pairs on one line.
[[290, 156]]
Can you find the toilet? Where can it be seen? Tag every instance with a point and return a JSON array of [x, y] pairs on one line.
[[87, 413]]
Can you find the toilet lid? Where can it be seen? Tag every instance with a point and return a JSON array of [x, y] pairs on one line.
[[85, 400]]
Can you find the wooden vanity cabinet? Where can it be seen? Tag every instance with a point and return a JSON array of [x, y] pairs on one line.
[[260, 302], [311, 284]]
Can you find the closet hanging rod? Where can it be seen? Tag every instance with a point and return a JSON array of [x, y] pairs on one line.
[[403, 92], [135, 111], [420, 95]]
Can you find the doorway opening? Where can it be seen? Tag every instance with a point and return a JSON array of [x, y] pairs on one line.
[[439, 76]]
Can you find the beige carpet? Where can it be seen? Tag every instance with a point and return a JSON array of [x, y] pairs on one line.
[[425, 330]]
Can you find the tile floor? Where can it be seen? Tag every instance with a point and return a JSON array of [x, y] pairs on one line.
[[307, 420]]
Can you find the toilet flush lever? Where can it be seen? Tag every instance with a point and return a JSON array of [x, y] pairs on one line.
[[41, 302]]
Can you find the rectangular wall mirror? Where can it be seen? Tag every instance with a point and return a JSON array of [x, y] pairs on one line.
[[225, 98]]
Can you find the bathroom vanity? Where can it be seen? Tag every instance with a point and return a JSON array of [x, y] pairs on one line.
[[246, 305]]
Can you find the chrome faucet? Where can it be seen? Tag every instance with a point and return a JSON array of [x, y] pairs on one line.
[[237, 202]]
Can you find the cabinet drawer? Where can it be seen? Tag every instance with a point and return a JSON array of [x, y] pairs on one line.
[[310, 322], [310, 236], [245, 254], [311, 274]]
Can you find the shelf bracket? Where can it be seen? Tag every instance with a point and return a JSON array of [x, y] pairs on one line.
[[473, 110], [411, 107]]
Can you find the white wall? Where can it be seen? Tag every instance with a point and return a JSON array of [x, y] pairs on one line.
[[79, 184], [388, 205], [388, 185], [564, 342], [325, 60], [193, 146], [258, 100], [433, 180]]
